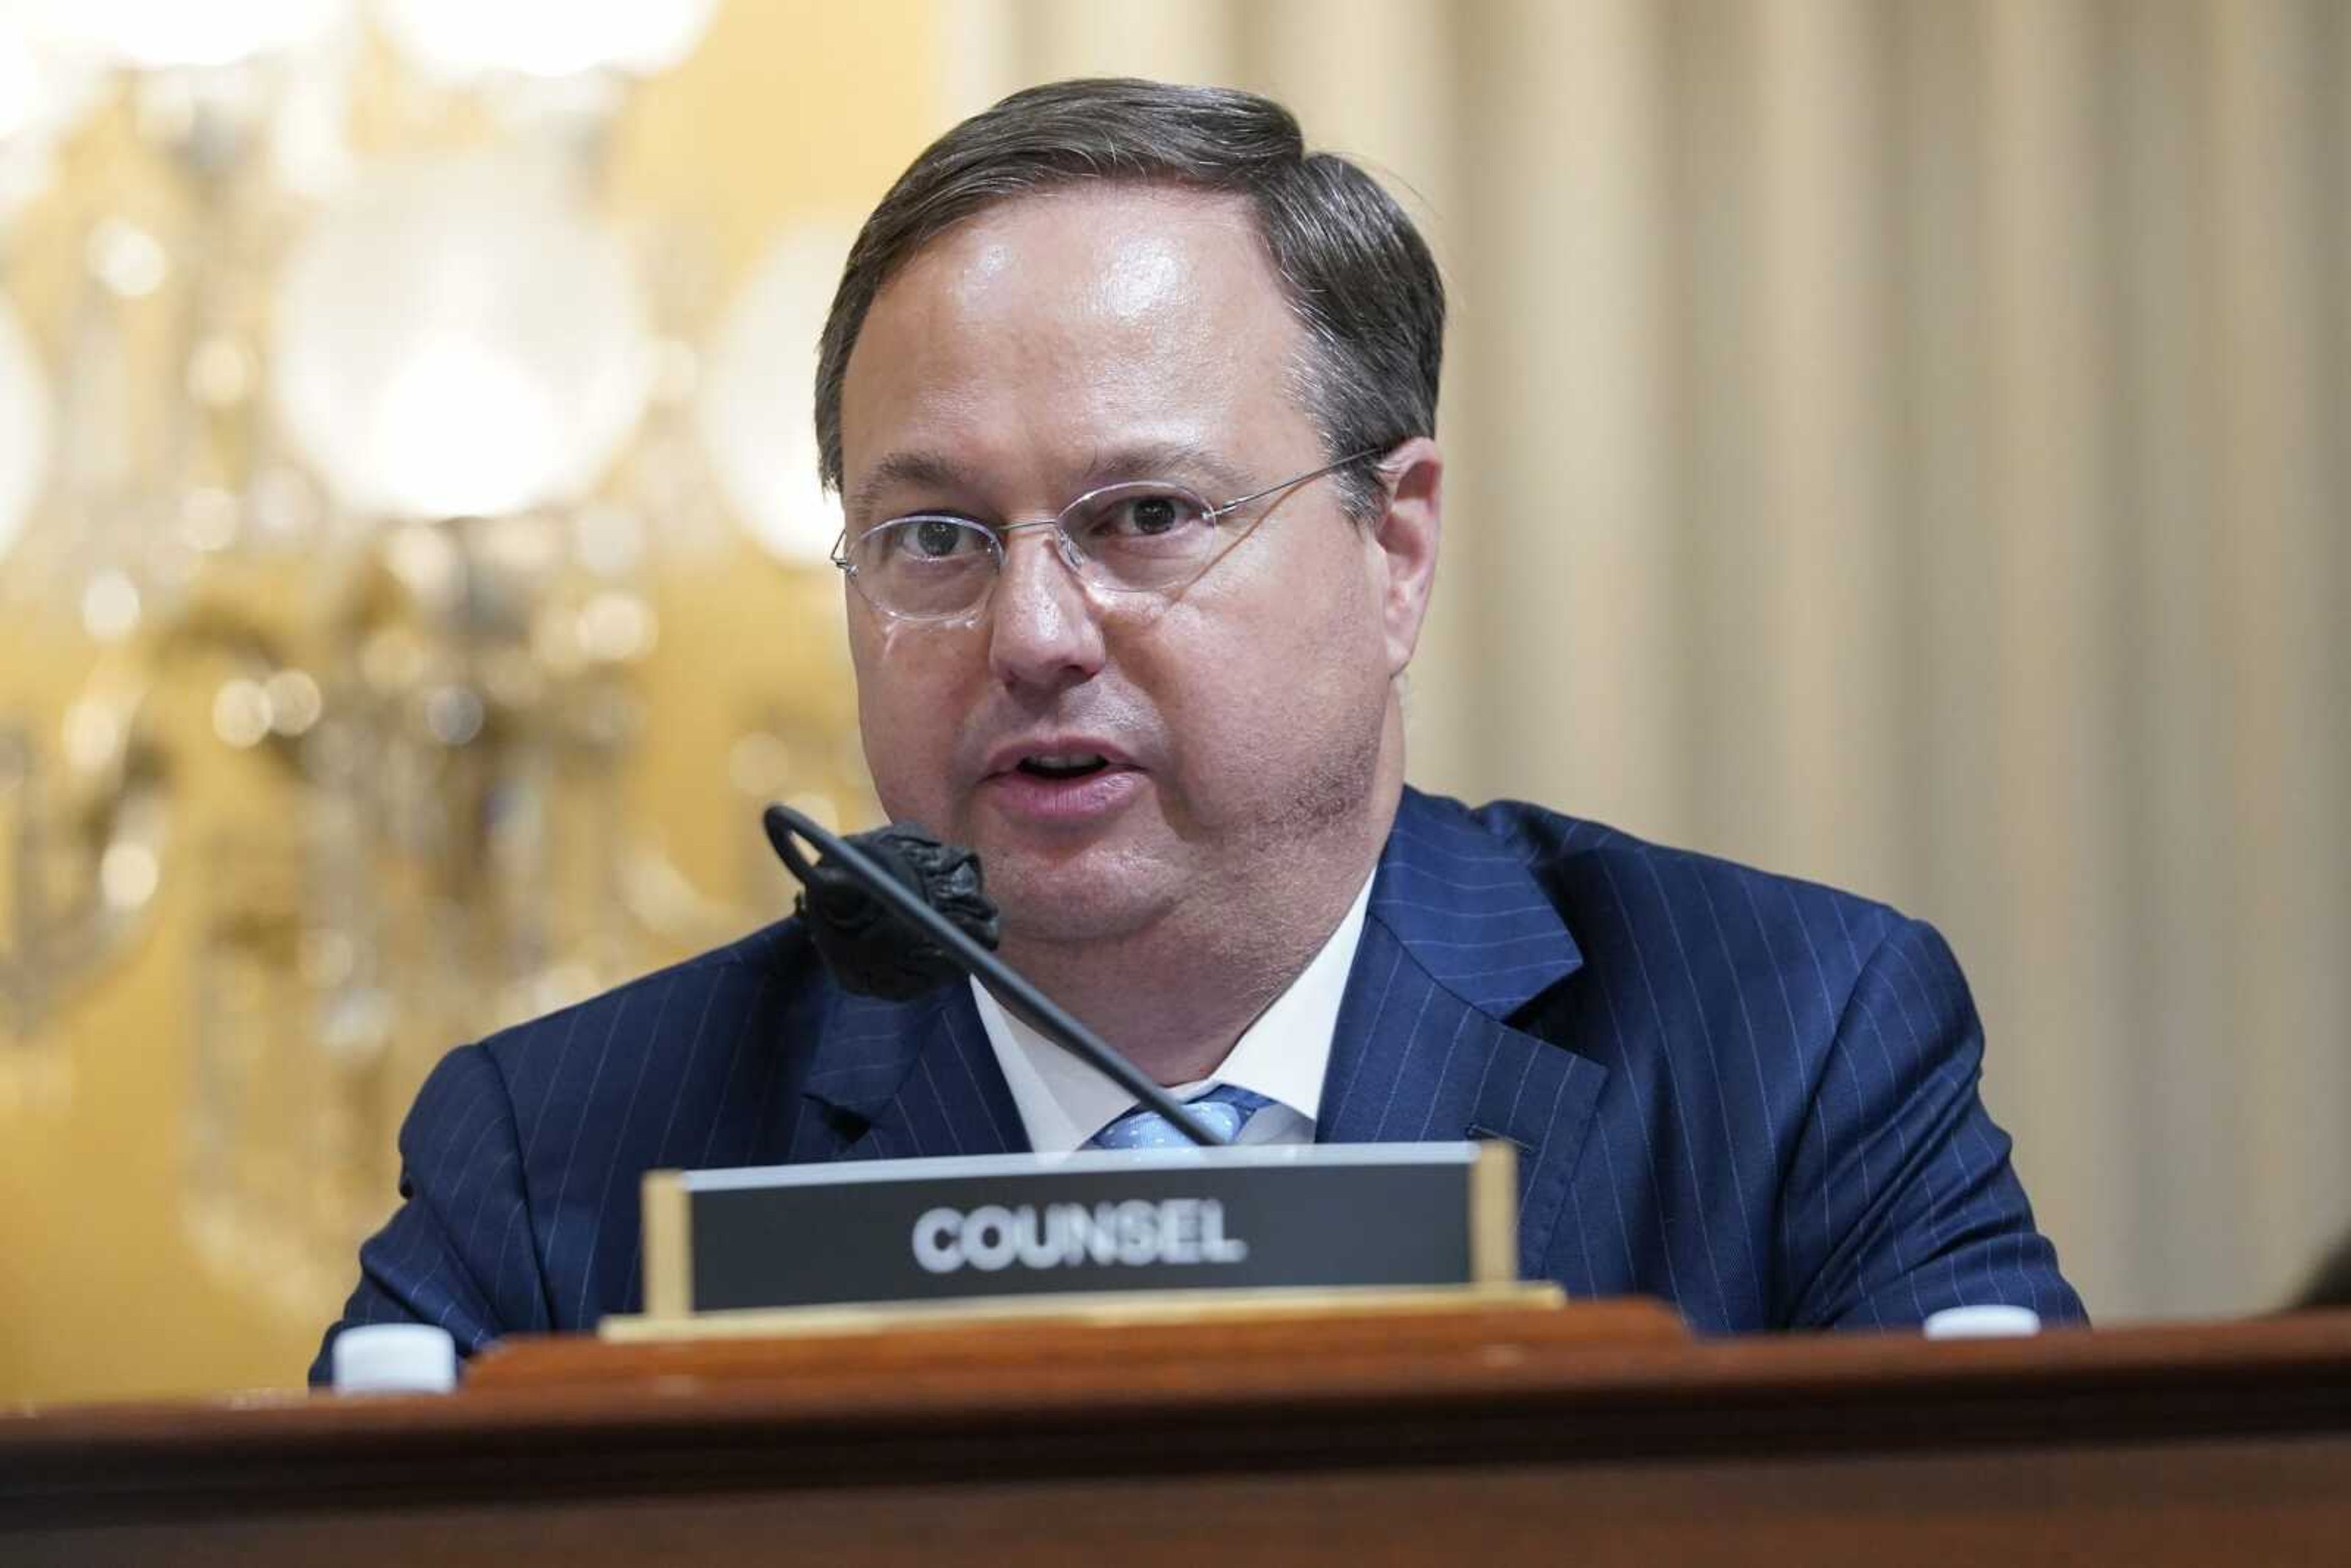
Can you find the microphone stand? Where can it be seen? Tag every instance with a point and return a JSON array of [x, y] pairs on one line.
[[1021, 998]]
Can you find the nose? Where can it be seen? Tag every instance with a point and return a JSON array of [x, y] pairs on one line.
[[1044, 633]]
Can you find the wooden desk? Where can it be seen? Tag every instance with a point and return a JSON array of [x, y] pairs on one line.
[[1537, 1437]]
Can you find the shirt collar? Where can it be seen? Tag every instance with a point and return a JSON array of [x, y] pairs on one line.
[[1281, 1055]]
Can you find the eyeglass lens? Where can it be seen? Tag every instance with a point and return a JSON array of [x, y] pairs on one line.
[[1126, 537]]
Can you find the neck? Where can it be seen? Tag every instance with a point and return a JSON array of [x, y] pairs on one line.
[[1175, 997]]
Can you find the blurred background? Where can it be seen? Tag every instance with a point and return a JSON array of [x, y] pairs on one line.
[[1897, 442]]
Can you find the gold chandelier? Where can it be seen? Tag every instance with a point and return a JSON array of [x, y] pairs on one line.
[[364, 439]]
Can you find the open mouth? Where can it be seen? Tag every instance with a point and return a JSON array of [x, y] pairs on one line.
[[1071, 765]]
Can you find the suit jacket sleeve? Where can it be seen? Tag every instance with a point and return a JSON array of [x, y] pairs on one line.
[[1901, 1199], [460, 1250]]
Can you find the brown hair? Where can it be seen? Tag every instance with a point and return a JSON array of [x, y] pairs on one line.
[[1356, 274]]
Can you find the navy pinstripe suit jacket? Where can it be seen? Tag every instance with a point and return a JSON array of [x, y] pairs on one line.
[[1751, 1096]]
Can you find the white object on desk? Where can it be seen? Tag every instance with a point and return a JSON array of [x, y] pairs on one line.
[[1983, 1323], [395, 1358]]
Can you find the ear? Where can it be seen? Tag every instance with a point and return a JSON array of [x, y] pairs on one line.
[[1406, 532]]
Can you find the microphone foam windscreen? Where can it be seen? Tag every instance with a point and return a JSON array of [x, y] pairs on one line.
[[867, 947]]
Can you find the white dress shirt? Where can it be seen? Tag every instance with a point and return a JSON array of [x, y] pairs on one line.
[[1281, 1055]]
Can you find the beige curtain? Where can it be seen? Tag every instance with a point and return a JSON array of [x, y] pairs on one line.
[[1904, 443]]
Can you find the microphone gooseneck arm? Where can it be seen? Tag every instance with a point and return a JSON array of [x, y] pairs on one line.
[[1021, 998]]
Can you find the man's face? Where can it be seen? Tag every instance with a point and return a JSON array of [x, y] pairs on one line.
[[1051, 345]]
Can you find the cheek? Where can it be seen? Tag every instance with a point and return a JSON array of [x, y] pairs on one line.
[[910, 696], [1320, 639], [1336, 686], [1256, 687]]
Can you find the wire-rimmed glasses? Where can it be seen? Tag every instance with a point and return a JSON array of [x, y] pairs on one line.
[[1142, 537]]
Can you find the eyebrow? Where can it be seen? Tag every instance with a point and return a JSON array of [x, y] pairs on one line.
[[1161, 460], [929, 469], [1134, 460]]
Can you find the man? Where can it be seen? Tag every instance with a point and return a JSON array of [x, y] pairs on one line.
[[1131, 404]]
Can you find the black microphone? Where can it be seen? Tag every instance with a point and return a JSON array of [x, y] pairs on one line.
[[869, 950], [894, 912]]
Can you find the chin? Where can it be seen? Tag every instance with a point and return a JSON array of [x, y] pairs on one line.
[[1093, 896]]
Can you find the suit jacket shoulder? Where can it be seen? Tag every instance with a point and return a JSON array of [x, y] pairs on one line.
[[1791, 1132], [520, 1159]]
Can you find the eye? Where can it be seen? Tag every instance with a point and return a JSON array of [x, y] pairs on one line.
[[920, 540], [933, 538], [1141, 514], [1153, 513]]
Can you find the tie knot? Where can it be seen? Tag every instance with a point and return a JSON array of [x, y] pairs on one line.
[[1224, 1109]]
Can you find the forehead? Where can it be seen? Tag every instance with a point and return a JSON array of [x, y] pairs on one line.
[[1091, 314]]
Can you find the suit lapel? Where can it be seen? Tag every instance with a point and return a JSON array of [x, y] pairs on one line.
[[1458, 938], [910, 1079]]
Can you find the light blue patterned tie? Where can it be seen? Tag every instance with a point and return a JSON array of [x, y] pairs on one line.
[[1224, 1109]]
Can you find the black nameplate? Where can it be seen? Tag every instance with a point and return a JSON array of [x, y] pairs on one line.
[[1025, 1225]]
